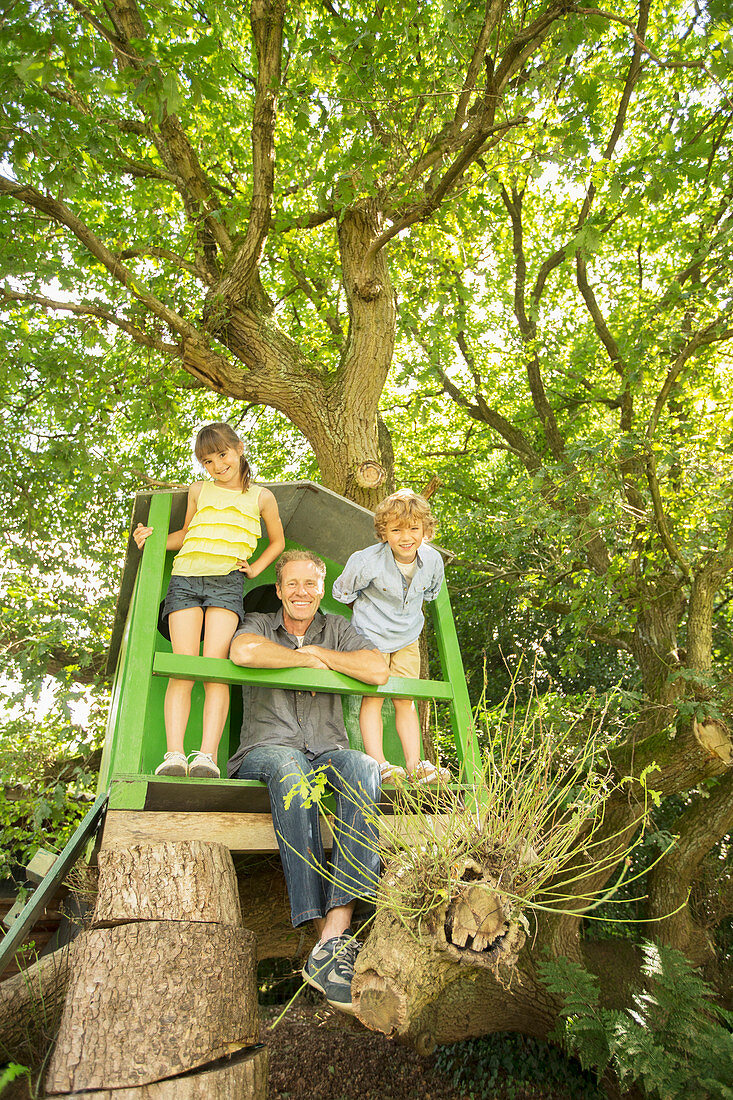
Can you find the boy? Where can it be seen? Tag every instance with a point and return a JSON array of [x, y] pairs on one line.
[[386, 585]]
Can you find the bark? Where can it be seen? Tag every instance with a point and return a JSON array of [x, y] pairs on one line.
[[699, 828], [153, 999], [654, 644], [194, 882], [266, 912], [684, 756]]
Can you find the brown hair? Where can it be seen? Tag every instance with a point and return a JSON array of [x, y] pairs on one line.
[[220, 436], [298, 555], [404, 506]]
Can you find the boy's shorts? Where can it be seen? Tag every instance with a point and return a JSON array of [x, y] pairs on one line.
[[226, 592], [405, 662]]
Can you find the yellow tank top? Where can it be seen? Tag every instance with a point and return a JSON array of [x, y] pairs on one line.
[[225, 527]]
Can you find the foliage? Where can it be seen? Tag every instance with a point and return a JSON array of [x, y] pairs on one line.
[[494, 1065], [673, 1040], [11, 1072], [536, 826], [534, 212], [47, 777]]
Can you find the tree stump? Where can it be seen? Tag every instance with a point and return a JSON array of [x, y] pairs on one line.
[[164, 984], [193, 881], [407, 979]]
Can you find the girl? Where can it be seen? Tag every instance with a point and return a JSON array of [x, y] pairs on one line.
[[219, 533]]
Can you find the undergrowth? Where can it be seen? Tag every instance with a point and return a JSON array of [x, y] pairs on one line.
[[672, 1041], [497, 1065]]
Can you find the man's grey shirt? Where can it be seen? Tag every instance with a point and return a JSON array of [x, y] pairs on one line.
[[312, 723]]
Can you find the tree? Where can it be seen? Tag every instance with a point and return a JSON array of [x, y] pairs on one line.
[[262, 212], [588, 343], [263, 273]]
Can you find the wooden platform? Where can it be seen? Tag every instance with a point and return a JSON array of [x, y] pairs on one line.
[[251, 832], [231, 812]]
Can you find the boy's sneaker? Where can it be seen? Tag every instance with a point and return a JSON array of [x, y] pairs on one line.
[[174, 763], [202, 766], [330, 968]]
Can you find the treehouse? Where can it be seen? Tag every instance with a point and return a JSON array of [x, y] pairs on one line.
[[144, 807]]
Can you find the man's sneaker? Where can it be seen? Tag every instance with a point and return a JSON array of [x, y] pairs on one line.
[[330, 968], [202, 766], [174, 763]]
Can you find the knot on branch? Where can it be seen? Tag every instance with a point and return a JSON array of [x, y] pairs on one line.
[[368, 287], [370, 474], [714, 737]]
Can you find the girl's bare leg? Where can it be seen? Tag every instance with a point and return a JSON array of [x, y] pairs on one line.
[[408, 731], [219, 627], [185, 629], [370, 723]]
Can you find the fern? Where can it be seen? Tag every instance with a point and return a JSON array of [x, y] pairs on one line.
[[672, 1041]]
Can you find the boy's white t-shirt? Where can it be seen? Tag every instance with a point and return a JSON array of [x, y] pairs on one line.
[[407, 568]]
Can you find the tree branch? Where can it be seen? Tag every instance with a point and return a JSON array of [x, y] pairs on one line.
[[195, 268], [663, 528], [140, 336], [631, 78], [518, 442], [315, 291], [421, 211], [528, 328], [493, 11], [168, 135], [699, 828], [715, 332], [267, 17]]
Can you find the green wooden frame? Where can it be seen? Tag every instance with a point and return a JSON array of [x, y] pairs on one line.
[[50, 884], [139, 665]]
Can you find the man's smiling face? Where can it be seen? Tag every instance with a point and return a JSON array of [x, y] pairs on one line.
[[301, 591]]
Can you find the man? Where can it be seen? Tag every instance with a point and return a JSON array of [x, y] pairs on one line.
[[287, 734]]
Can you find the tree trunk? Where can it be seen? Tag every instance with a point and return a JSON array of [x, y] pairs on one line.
[[265, 905], [654, 644], [165, 983]]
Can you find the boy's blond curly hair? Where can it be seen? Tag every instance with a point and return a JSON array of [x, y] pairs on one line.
[[404, 506]]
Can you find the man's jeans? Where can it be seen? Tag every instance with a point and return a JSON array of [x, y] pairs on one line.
[[315, 886]]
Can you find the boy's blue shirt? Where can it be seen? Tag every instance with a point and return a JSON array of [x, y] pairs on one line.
[[386, 610]]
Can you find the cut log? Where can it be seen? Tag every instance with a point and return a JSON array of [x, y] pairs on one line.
[[31, 1004], [192, 881], [242, 1079], [152, 999]]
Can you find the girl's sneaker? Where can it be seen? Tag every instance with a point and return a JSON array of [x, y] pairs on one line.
[[174, 763], [391, 773], [202, 766]]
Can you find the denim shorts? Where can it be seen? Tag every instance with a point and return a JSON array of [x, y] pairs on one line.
[[226, 592]]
